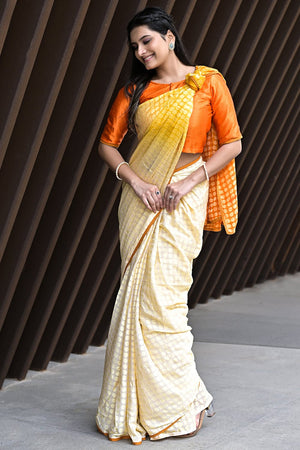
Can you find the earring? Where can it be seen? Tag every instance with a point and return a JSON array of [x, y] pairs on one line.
[[171, 46]]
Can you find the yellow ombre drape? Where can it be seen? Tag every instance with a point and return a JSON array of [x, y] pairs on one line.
[[150, 383], [162, 125]]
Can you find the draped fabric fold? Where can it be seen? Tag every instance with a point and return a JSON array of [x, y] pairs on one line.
[[222, 207]]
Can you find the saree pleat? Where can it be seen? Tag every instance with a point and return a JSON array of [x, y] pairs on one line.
[[150, 383]]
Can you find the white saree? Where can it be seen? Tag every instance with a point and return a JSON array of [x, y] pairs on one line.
[[150, 380]]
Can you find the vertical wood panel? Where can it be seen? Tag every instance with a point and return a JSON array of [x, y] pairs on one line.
[[61, 65]]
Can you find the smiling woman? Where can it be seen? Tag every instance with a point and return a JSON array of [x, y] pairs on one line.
[[179, 180], [148, 46]]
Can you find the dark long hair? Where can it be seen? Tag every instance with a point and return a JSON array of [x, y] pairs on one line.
[[157, 20]]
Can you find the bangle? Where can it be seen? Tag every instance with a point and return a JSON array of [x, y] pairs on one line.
[[205, 171], [118, 167]]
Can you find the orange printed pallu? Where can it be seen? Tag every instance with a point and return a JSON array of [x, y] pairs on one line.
[[150, 383]]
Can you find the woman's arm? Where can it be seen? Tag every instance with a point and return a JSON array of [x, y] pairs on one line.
[[222, 157], [145, 191], [218, 161]]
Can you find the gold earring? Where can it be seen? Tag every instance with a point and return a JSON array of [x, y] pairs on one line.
[[171, 46]]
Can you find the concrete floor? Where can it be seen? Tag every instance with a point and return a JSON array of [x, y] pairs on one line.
[[247, 348]]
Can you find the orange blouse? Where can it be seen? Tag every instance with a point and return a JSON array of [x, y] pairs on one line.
[[212, 102]]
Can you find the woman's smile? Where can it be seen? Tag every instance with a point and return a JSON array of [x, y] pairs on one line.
[[147, 58]]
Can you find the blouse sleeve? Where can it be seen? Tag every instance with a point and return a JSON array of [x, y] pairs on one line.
[[224, 115], [117, 122]]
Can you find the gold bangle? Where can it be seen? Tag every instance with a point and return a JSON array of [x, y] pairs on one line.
[[118, 167]]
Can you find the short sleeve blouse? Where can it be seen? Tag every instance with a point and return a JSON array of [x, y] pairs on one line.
[[212, 103]]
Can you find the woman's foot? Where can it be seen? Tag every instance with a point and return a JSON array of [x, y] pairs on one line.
[[199, 421], [209, 411]]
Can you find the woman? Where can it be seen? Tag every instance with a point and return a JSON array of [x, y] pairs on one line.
[[179, 111]]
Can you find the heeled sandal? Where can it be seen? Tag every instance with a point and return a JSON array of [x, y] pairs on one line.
[[210, 412]]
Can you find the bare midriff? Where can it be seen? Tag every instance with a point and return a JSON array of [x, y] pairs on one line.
[[187, 158]]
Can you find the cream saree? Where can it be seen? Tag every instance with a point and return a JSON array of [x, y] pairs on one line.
[[150, 384]]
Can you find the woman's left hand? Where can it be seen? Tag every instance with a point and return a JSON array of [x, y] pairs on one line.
[[220, 159], [174, 192]]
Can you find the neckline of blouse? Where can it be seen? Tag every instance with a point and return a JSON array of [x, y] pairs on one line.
[[175, 82]]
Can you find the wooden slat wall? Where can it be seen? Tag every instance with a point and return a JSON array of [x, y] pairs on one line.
[[61, 64]]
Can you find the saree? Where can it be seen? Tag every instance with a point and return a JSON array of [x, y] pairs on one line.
[[150, 384]]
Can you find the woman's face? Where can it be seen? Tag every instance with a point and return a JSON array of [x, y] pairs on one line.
[[150, 47]]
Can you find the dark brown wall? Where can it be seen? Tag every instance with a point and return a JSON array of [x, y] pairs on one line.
[[61, 64]]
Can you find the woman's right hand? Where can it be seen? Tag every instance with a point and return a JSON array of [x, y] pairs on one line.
[[149, 194]]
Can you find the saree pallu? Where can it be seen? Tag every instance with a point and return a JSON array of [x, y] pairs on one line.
[[150, 383]]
